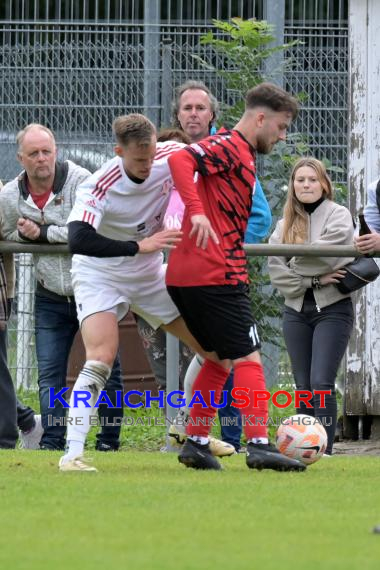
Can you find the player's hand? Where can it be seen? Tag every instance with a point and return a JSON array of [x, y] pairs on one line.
[[28, 228], [333, 277], [368, 243], [167, 239], [203, 230]]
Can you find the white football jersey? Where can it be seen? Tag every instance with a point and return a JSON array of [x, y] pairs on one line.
[[121, 209]]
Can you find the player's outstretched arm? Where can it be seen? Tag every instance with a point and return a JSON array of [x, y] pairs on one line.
[[84, 240], [167, 239]]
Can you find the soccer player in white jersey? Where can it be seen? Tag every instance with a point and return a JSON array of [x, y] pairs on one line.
[[115, 232]]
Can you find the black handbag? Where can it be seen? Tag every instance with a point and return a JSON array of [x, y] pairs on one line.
[[360, 272]]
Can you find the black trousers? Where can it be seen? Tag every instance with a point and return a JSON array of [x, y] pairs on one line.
[[25, 416], [316, 340], [13, 413], [8, 414]]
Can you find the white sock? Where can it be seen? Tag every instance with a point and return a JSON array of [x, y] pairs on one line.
[[190, 376], [76, 449], [199, 439], [262, 440], [92, 378]]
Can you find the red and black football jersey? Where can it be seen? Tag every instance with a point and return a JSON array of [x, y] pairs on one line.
[[222, 190]]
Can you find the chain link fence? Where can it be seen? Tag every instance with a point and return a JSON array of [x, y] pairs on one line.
[[74, 66]]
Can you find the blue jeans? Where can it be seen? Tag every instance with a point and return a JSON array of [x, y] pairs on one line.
[[56, 324], [230, 433]]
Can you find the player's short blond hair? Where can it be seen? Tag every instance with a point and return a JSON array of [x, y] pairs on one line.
[[134, 127]]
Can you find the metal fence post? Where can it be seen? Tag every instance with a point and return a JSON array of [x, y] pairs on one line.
[[172, 379], [24, 320], [151, 59], [274, 14], [166, 82]]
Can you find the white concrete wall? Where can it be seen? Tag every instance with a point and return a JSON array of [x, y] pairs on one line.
[[363, 361]]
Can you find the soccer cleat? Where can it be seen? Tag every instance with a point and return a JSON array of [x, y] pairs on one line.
[[221, 448], [31, 439], [75, 464], [177, 431], [198, 456], [266, 456], [177, 437], [218, 447]]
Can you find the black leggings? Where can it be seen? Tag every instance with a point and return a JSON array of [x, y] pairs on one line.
[[316, 342]]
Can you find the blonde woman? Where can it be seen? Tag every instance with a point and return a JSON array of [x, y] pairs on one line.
[[317, 318]]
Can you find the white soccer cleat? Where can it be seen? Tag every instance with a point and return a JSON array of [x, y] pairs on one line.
[[177, 437], [177, 431], [221, 448], [32, 438], [75, 464]]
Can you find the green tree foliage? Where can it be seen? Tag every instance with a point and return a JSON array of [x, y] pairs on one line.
[[245, 58]]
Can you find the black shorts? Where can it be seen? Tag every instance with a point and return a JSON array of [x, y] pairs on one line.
[[219, 317]]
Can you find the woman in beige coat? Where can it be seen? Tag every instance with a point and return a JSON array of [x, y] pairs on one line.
[[317, 318]]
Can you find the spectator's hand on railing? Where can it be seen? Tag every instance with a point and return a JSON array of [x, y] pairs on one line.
[[166, 239], [368, 244], [28, 228], [203, 230], [334, 277]]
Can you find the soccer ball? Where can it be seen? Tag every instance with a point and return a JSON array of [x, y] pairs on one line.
[[302, 437]]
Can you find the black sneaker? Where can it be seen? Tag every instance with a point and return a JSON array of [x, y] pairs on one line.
[[44, 447], [100, 446], [198, 456], [266, 456]]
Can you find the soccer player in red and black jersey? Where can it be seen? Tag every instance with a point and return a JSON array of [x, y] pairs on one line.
[[207, 275]]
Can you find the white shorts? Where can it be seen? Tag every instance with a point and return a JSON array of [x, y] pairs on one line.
[[99, 291]]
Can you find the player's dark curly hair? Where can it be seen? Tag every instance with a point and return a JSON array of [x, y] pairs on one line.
[[273, 97]]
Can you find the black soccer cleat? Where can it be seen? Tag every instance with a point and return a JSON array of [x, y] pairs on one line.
[[266, 456], [198, 456]]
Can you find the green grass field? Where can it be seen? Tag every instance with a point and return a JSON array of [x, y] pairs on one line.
[[144, 510]]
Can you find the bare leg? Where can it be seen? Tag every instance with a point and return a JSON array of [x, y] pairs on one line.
[[100, 335], [179, 329], [101, 339]]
